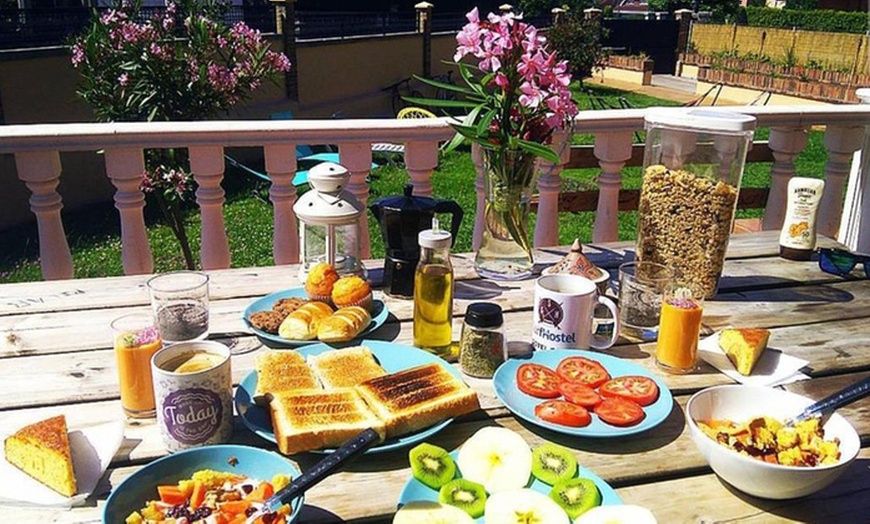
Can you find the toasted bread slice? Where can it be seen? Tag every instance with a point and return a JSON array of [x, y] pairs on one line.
[[307, 420], [416, 398], [345, 367], [282, 370], [42, 451], [744, 346]]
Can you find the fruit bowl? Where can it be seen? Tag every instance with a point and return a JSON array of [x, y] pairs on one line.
[[753, 476]]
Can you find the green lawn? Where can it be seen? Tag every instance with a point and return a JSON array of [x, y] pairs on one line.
[[94, 234]]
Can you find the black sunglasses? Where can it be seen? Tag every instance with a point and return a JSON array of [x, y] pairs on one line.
[[841, 262]]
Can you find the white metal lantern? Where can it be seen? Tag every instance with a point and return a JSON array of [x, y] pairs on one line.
[[329, 221]]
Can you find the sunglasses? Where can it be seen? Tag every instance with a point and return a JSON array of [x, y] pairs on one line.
[[841, 262]]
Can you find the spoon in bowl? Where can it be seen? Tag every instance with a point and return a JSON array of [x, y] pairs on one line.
[[825, 407]]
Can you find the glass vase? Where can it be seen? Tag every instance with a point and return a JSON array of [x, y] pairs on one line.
[[505, 250]]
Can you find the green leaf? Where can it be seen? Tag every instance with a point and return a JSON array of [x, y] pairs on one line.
[[434, 102], [459, 138], [542, 151], [444, 85]]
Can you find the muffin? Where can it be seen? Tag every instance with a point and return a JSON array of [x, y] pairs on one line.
[[352, 291], [321, 278]]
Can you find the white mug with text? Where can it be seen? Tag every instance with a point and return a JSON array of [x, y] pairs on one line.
[[563, 312]]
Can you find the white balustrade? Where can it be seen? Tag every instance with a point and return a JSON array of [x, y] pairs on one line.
[[125, 166], [207, 165], [357, 158], [612, 149], [421, 158], [549, 182], [786, 144], [841, 143], [281, 168]]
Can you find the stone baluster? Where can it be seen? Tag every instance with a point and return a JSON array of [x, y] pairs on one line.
[[549, 183], [207, 165], [855, 223], [613, 150], [841, 143], [357, 158], [421, 158], [40, 171], [125, 166], [786, 143], [479, 186], [281, 168]]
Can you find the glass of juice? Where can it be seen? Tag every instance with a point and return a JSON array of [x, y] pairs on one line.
[[679, 331], [136, 339]]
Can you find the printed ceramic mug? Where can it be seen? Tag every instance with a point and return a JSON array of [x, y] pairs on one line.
[[193, 389], [563, 313]]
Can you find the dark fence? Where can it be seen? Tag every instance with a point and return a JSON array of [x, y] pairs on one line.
[[656, 38], [316, 24]]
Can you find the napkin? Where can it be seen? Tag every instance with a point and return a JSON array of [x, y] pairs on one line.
[[774, 368], [92, 450]]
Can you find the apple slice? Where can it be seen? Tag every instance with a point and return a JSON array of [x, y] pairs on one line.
[[520, 506], [497, 458]]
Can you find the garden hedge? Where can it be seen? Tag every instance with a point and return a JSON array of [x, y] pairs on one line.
[[817, 20]]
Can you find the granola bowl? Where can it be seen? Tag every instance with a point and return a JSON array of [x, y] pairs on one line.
[[752, 475]]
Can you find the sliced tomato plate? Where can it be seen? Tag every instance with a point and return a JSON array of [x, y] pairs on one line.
[[642, 390], [523, 405], [579, 394], [538, 381], [563, 413], [620, 412], [582, 370]]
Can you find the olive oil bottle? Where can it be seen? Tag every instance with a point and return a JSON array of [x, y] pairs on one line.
[[433, 292]]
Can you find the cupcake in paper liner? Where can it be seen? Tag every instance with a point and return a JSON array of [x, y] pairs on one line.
[[321, 279], [352, 291]]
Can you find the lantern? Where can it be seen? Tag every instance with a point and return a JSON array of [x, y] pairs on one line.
[[329, 221]]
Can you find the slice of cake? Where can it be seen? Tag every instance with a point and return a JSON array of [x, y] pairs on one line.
[[42, 451], [744, 346]]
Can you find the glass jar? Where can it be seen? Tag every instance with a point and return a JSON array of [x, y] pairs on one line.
[[433, 293], [693, 165], [482, 347]]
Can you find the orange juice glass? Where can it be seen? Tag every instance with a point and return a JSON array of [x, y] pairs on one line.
[[679, 330], [136, 339]]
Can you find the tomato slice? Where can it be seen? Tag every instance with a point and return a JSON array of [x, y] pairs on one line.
[[563, 413], [619, 412], [579, 394], [642, 390], [582, 370], [538, 381]]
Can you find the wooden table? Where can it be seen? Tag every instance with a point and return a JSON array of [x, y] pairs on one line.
[[56, 357]]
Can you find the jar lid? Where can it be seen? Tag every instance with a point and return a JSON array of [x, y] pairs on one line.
[[484, 315], [700, 119], [435, 239]]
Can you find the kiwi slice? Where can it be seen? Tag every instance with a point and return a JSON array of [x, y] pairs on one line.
[[576, 496], [432, 465], [552, 463], [466, 495]]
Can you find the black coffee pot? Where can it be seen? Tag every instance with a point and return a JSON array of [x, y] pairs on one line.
[[401, 219]]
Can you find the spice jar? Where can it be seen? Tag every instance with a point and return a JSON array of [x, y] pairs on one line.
[[482, 347], [693, 164]]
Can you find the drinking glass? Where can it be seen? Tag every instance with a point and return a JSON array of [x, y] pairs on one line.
[[180, 304], [136, 339], [679, 331], [642, 286]]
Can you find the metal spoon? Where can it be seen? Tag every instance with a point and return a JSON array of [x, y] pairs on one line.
[[825, 407]]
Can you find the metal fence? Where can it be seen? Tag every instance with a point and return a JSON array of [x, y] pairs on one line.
[[316, 24]]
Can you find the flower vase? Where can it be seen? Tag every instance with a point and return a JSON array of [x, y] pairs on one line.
[[505, 252]]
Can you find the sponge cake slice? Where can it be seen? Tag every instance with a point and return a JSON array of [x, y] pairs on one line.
[[744, 346], [42, 451]]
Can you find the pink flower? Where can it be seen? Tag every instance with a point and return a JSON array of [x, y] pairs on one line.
[[78, 54], [123, 79], [501, 80], [532, 95]]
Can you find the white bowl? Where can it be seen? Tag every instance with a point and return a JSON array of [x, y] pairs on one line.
[[752, 476]]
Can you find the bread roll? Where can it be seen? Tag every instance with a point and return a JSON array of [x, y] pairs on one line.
[[345, 324], [302, 324]]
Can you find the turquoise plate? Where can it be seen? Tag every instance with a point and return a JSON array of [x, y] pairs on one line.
[[416, 490], [392, 357], [379, 316], [140, 487], [523, 405]]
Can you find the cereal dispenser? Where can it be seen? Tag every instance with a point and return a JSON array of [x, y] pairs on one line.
[[693, 164]]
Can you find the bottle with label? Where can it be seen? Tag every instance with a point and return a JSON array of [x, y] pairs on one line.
[[433, 293], [797, 241]]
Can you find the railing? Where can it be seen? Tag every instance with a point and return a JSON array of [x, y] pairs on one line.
[[314, 24], [37, 151]]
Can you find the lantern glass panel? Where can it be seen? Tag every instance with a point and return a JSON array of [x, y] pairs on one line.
[[346, 247]]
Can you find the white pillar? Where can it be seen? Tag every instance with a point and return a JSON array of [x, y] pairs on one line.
[[281, 168], [40, 171], [207, 165], [613, 150], [421, 158], [125, 166], [841, 143], [855, 223], [357, 158], [477, 160], [549, 183], [786, 144]]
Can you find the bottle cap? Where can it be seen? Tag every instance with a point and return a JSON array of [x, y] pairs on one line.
[[435, 238], [484, 315]]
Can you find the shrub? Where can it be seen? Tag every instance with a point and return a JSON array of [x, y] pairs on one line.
[[578, 41], [820, 20]]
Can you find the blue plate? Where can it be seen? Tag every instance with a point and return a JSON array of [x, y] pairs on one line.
[[392, 357], [140, 487], [416, 490], [379, 316], [523, 405]]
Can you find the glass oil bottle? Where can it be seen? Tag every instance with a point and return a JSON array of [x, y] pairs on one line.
[[433, 292]]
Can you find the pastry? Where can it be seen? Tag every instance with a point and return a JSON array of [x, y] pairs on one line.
[[321, 278], [267, 321], [302, 324], [744, 346], [288, 305], [352, 291], [345, 324], [42, 451]]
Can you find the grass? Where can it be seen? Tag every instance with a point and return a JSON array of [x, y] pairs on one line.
[[94, 233]]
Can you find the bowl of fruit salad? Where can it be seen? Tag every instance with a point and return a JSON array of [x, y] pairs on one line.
[[203, 485]]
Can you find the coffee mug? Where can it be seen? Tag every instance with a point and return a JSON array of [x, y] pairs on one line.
[[563, 313], [193, 389]]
